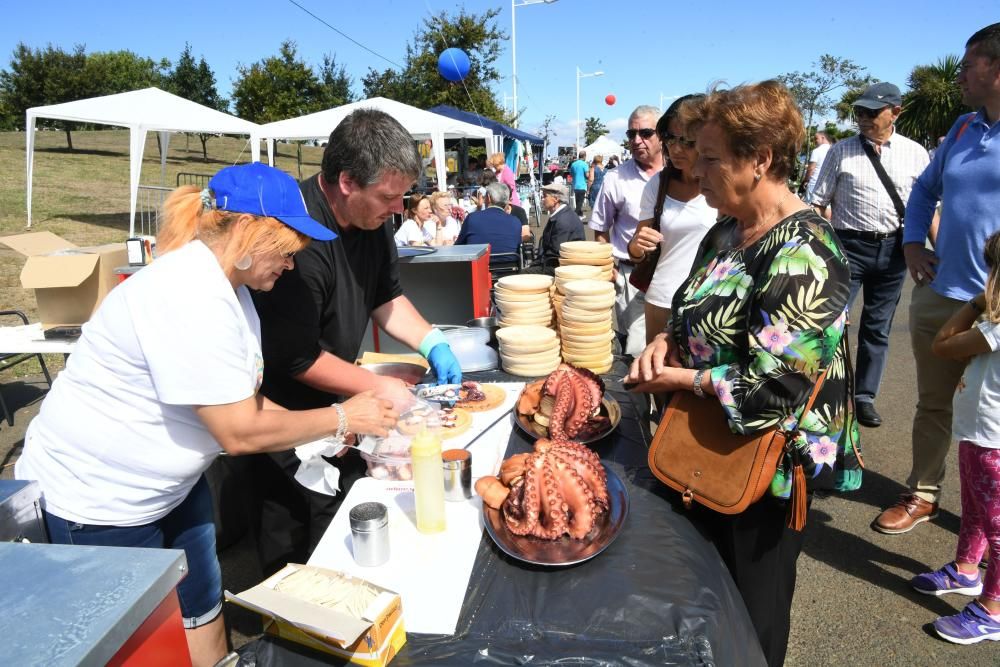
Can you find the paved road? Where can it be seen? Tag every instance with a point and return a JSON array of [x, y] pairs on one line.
[[852, 606]]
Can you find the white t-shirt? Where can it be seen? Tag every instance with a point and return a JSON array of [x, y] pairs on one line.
[[817, 156], [117, 441], [683, 225], [976, 406], [451, 229], [410, 233]]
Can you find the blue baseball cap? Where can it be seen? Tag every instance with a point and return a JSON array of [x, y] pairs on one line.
[[258, 189]]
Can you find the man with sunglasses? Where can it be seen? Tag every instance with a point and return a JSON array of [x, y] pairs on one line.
[[867, 214], [616, 215]]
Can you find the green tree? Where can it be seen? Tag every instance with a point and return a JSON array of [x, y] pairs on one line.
[[196, 82], [812, 90], [933, 101], [419, 83], [39, 77], [592, 129], [336, 82], [278, 87]]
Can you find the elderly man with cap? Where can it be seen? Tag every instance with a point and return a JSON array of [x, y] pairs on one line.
[[866, 180], [563, 225]]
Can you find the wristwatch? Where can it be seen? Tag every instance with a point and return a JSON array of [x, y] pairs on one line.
[[975, 306], [696, 386]]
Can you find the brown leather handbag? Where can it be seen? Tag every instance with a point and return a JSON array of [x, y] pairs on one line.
[[695, 453]]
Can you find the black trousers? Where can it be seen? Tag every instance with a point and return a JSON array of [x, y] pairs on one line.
[[580, 196], [761, 555], [292, 519]]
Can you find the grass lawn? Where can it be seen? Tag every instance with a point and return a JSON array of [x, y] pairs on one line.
[[83, 195]]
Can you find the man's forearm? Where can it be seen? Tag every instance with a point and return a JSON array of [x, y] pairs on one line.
[[333, 375]]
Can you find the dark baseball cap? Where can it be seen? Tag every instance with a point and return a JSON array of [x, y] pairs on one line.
[[879, 95]]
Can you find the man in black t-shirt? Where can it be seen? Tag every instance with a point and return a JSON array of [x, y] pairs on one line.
[[313, 321]]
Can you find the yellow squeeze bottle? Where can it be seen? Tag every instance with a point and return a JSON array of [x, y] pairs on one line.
[[428, 481]]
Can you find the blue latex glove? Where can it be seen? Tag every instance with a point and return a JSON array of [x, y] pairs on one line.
[[444, 364]]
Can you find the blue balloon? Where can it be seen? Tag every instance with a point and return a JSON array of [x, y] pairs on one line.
[[453, 64]]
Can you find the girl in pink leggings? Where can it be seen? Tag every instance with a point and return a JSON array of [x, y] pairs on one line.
[[976, 425]]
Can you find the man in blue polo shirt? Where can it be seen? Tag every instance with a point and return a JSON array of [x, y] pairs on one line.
[[964, 177], [578, 169]]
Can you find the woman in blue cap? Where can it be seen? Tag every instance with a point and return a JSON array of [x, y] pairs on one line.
[[164, 379]]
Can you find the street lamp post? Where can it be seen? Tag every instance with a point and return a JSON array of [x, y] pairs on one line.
[[581, 75], [513, 45]]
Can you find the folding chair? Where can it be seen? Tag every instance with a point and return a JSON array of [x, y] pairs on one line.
[[11, 360]]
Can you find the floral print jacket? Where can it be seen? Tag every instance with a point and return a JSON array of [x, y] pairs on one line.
[[767, 320]]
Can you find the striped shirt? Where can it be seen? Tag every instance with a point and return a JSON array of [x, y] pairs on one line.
[[849, 182]]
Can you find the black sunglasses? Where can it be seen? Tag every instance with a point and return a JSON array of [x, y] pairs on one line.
[[672, 139], [645, 133], [865, 112]]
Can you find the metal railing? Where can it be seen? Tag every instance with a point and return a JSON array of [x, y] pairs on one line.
[[148, 209], [191, 178]]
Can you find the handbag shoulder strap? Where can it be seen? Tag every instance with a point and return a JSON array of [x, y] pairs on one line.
[[876, 161], [661, 195]]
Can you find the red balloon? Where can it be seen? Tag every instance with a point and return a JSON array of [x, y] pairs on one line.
[[610, 100]]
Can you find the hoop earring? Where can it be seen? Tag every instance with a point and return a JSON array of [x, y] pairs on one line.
[[243, 263]]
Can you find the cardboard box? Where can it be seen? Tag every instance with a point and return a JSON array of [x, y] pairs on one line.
[[372, 640], [69, 282]]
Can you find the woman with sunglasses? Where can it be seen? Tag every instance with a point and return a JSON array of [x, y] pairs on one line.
[[164, 379], [684, 219]]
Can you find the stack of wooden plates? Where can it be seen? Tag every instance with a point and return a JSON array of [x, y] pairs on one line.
[[565, 274], [523, 300], [529, 351], [587, 253], [585, 324]]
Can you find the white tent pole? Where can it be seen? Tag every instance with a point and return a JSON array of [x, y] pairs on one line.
[[30, 132], [255, 148], [437, 144], [270, 151], [164, 148], [137, 142]]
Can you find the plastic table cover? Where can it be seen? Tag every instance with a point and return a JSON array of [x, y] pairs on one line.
[[660, 595]]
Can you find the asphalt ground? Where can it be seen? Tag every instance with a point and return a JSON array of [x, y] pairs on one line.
[[853, 605]]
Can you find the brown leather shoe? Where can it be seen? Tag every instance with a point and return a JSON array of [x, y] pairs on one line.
[[909, 511]]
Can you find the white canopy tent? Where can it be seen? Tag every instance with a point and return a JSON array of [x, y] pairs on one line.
[[141, 111], [419, 123], [606, 146]]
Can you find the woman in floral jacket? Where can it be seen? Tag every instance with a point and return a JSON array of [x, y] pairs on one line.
[[755, 324]]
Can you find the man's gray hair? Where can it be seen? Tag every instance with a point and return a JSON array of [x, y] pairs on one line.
[[646, 111], [367, 144], [498, 193]]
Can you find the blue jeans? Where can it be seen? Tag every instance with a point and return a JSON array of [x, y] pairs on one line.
[[189, 526], [877, 271]]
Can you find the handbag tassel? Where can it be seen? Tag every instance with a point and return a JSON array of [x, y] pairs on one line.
[[799, 508]]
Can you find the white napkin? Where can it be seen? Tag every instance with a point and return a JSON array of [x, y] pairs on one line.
[[314, 472]]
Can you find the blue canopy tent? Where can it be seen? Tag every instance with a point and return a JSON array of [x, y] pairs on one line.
[[498, 128], [506, 140]]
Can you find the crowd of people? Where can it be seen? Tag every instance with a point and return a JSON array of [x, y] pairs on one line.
[[240, 338]]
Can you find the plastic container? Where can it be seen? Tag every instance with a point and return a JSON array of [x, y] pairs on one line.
[[471, 347], [389, 458]]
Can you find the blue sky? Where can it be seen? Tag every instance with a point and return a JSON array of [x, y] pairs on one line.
[[649, 50]]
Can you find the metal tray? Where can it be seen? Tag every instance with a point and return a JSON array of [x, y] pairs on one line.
[[414, 251], [565, 551], [609, 407]]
